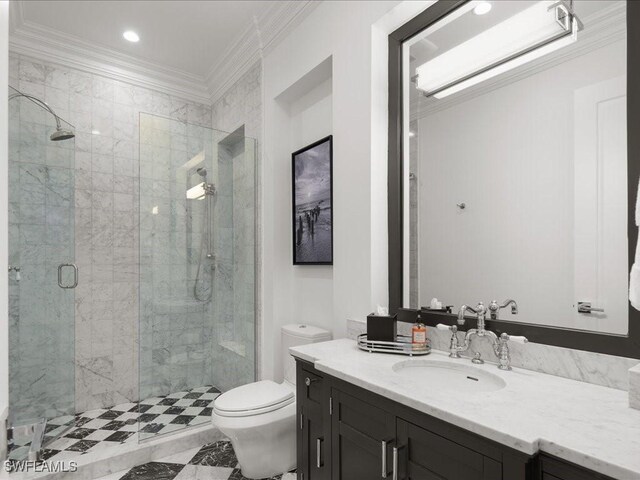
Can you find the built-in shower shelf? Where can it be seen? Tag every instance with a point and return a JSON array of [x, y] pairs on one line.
[[235, 347]]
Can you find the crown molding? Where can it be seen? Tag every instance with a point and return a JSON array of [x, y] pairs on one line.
[[601, 28], [39, 42], [256, 41], [262, 34]]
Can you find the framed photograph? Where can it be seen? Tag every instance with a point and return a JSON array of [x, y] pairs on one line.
[[312, 181]]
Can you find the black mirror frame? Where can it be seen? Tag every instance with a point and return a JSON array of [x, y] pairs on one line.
[[620, 345]]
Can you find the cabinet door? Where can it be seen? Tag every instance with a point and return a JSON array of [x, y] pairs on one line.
[[423, 455], [313, 410], [361, 439]]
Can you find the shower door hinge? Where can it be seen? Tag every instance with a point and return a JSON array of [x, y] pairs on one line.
[[330, 405]]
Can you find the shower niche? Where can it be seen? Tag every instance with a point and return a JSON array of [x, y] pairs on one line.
[[197, 204]]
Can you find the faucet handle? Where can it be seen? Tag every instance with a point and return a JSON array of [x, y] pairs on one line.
[[517, 339]]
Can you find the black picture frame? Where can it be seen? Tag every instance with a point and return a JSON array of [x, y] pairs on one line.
[[621, 345], [312, 244]]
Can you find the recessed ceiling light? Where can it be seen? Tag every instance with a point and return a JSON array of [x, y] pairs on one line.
[[482, 8], [132, 36], [95, 132]]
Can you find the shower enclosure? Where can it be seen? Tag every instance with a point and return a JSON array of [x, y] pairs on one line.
[[196, 191], [197, 203], [42, 273]]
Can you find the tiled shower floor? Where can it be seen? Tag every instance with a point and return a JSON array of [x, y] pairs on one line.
[[102, 428]]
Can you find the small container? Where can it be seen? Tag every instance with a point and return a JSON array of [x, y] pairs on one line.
[[381, 327], [419, 336]]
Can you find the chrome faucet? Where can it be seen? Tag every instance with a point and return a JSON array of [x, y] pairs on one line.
[[499, 344]]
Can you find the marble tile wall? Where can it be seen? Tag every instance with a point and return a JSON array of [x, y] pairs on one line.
[[106, 216], [241, 108], [597, 368]]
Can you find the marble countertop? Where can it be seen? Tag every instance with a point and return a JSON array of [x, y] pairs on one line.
[[586, 424]]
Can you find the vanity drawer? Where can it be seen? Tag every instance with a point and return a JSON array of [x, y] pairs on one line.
[[312, 385], [553, 468]]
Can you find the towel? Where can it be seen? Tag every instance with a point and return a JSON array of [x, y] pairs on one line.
[[634, 277]]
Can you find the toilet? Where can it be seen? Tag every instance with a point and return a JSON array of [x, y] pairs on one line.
[[260, 418]]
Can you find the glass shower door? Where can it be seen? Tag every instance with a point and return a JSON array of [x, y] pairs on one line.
[[41, 274]]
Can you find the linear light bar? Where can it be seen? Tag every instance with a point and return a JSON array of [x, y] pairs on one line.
[[537, 31], [197, 192]]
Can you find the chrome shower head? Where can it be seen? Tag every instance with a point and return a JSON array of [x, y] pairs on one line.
[[61, 134]]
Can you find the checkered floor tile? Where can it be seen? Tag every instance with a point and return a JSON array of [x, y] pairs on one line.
[[97, 429], [216, 461]]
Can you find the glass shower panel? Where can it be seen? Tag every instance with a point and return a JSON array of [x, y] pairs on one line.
[[234, 312], [189, 321], [41, 239]]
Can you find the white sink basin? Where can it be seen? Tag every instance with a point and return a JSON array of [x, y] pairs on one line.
[[458, 377]]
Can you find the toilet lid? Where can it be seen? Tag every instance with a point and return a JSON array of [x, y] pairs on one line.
[[253, 399]]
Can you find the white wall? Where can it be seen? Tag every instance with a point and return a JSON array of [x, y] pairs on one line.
[[4, 220], [349, 289], [509, 156]]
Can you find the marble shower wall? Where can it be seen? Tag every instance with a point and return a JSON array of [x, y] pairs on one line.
[[240, 109], [106, 216]]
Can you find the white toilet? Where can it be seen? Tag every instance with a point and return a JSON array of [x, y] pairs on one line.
[[260, 418]]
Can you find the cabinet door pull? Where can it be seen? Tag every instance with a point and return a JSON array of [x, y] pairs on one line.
[[384, 459], [395, 463], [319, 452]]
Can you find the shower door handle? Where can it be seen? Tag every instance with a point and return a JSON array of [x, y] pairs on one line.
[[75, 275]]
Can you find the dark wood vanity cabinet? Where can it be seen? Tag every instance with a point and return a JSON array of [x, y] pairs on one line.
[[349, 433], [314, 428]]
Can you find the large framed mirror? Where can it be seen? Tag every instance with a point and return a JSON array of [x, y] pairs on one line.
[[513, 168]]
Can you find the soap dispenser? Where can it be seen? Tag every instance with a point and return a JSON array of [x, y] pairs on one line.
[[419, 335]]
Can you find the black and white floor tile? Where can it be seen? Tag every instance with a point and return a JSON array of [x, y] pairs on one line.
[[216, 461], [102, 428]]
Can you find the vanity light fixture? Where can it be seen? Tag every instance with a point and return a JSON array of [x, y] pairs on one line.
[[131, 36], [534, 32], [196, 192], [482, 8]]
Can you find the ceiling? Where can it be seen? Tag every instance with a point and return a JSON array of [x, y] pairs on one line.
[[194, 46], [185, 35]]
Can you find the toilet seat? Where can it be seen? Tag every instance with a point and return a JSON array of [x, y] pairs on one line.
[[254, 399]]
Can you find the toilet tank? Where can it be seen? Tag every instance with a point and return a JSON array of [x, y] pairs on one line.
[[294, 335]]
